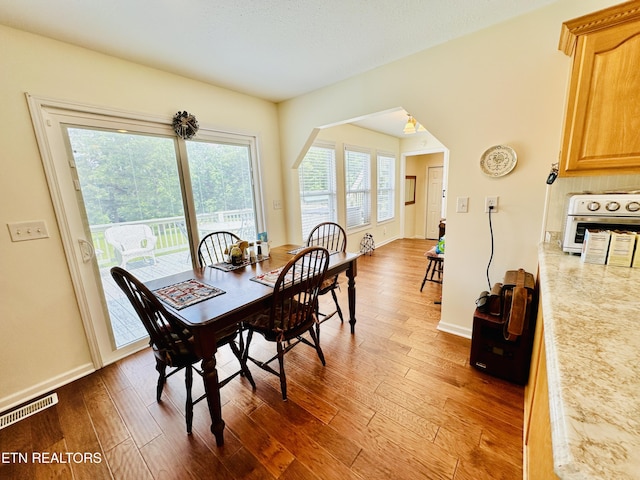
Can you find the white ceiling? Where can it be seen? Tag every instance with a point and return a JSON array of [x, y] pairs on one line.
[[272, 49]]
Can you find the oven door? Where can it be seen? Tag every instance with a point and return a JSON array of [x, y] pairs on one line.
[[576, 227]]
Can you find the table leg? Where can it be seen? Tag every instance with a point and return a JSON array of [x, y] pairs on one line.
[[212, 390], [351, 291]]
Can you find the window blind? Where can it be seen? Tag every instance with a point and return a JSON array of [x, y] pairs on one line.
[[358, 186], [317, 174]]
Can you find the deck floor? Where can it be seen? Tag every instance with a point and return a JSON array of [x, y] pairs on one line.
[[125, 323]]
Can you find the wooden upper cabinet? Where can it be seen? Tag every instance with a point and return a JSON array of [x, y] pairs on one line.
[[602, 124]]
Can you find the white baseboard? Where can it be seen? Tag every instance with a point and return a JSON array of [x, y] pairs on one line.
[[30, 393], [455, 329], [385, 241]]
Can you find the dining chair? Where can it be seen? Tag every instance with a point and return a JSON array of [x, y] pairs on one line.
[[292, 312], [212, 247], [332, 237], [172, 344]]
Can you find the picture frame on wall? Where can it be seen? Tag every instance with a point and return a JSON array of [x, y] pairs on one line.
[[409, 189]]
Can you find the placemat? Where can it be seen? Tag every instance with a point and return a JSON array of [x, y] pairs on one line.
[[296, 250], [270, 278], [229, 267], [187, 293]]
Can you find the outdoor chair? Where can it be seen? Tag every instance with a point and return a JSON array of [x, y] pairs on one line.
[[172, 344], [131, 241], [292, 312]]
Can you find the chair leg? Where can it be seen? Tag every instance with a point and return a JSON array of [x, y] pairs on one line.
[[245, 353], [283, 378], [335, 299], [239, 353], [161, 367], [188, 381], [316, 342], [426, 274]]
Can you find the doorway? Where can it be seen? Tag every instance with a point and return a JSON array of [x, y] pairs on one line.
[[434, 202]]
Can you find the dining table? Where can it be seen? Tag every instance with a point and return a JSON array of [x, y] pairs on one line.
[[241, 296]]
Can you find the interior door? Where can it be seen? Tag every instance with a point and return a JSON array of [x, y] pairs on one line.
[[434, 201]]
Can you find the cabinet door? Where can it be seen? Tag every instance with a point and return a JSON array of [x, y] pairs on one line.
[[529, 389], [603, 112], [539, 451]]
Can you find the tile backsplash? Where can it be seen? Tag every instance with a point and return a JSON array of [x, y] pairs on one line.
[[562, 187]]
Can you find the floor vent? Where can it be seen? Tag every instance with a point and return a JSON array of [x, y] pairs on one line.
[[28, 410]]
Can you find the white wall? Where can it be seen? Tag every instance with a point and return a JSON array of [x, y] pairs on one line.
[[43, 341], [503, 85]]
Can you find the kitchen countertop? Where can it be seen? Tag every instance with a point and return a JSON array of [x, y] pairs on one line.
[[592, 325]]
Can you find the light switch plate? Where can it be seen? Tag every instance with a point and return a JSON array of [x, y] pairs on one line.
[[28, 230], [462, 204]]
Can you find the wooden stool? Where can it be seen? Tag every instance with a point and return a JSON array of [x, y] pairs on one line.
[[435, 265]]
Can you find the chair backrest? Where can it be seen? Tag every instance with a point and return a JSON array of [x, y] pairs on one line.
[[328, 235], [166, 334], [130, 237], [212, 246], [296, 290]]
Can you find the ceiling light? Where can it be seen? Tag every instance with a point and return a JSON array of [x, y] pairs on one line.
[[410, 126]]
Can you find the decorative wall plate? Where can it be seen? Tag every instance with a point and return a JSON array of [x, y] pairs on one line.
[[498, 161], [185, 125]]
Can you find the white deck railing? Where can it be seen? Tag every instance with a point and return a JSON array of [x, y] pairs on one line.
[[172, 234]]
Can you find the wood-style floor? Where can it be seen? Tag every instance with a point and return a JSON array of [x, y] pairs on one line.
[[397, 400]]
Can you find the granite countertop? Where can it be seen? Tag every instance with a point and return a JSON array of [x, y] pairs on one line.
[[592, 338]]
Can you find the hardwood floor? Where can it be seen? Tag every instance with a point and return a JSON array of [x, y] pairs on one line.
[[397, 400]]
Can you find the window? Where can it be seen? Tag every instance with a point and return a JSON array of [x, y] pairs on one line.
[[317, 173], [223, 185], [386, 186], [358, 186]]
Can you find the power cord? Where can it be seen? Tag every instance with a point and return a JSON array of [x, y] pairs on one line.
[[491, 257]]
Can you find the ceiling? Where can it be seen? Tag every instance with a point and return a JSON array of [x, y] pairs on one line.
[[271, 49]]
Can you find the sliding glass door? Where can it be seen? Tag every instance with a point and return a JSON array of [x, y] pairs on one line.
[[130, 193], [129, 189]]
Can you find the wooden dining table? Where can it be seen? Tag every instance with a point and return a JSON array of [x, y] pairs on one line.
[[242, 296]]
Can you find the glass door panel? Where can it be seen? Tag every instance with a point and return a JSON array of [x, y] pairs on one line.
[[221, 180], [128, 186]]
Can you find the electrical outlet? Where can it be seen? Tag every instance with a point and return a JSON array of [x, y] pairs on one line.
[[462, 204], [277, 204], [491, 201]]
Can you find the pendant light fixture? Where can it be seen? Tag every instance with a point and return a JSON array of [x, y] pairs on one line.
[[410, 126]]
